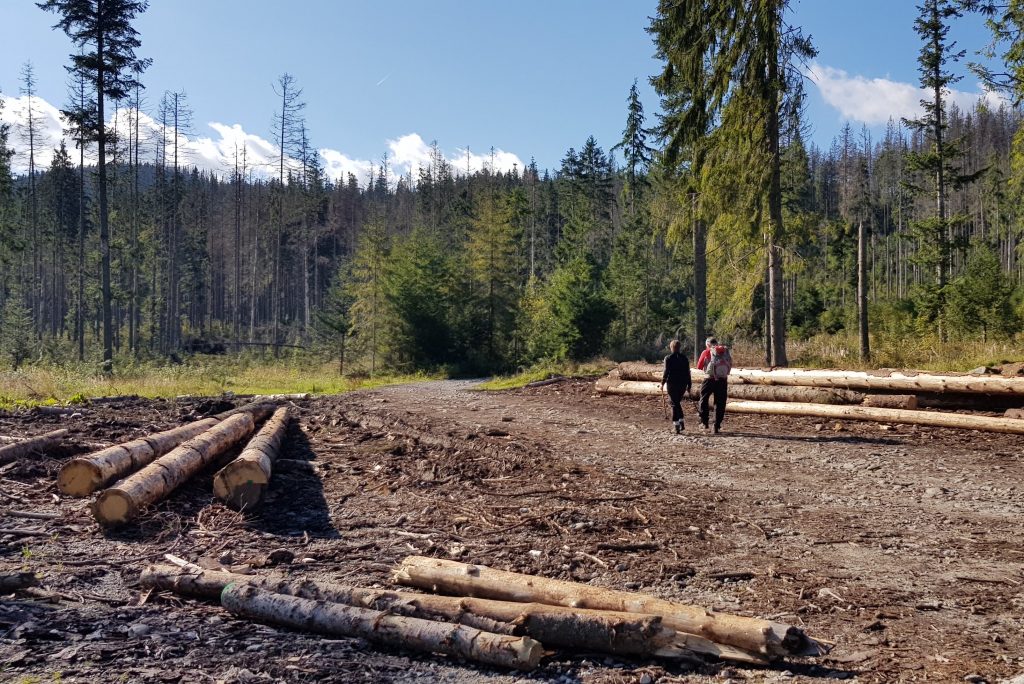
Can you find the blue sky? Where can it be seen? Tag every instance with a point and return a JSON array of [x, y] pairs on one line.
[[529, 78]]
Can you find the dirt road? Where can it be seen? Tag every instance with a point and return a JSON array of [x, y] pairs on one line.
[[902, 545]]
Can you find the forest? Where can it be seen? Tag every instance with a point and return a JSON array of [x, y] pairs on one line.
[[713, 214]]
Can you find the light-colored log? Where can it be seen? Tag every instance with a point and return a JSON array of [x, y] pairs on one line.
[[259, 410], [158, 479], [909, 382], [243, 482], [907, 402], [929, 418], [762, 637], [572, 628], [750, 392], [335, 619], [41, 444], [1016, 414], [86, 474]]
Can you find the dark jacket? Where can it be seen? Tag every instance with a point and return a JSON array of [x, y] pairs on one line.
[[677, 371]]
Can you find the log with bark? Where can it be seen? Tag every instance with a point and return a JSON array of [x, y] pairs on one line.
[[893, 401], [335, 619], [86, 474], [158, 479], [576, 629], [751, 392], [929, 418], [243, 482], [43, 444], [763, 638], [907, 382]]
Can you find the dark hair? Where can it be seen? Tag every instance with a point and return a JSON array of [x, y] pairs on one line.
[[710, 341]]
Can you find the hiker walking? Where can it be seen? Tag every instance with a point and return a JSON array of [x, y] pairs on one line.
[[716, 362], [677, 377]]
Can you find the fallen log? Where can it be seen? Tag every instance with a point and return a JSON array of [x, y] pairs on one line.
[[281, 397], [54, 410], [42, 444], [86, 474], [17, 581], [571, 628], [335, 619], [765, 638], [883, 415], [893, 401], [1017, 414], [158, 479], [907, 382], [243, 482], [751, 392]]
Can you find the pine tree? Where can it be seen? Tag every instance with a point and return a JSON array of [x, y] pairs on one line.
[[16, 330], [105, 27]]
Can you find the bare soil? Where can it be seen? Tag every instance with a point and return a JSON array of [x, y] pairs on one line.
[[902, 545]]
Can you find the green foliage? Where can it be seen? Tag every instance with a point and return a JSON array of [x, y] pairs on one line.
[[17, 339], [979, 301], [570, 315]]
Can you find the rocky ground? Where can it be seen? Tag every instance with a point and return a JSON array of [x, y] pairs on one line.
[[902, 545]]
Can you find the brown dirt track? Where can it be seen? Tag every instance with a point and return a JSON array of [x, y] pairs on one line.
[[904, 545]]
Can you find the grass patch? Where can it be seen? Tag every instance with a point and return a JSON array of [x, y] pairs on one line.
[[200, 375], [546, 370], [921, 353]]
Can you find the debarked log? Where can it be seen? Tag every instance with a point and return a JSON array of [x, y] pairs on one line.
[[893, 401], [243, 482], [335, 619], [124, 501], [41, 444], [86, 474], [882, 415], [762, 637], [752, 392], [570, 628]]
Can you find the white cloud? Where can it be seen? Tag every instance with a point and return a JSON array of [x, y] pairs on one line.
[[875, 100], [215, 152]]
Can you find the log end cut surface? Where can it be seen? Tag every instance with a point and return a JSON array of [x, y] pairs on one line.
[[79, 477], [113, 507]]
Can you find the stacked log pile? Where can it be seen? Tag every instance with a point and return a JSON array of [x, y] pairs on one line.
[[491, 616], [885, 396]]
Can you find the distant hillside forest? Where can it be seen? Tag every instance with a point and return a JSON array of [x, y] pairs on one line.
[[719, 217]]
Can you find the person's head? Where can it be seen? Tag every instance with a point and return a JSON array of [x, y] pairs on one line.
[[710, 342], [673, 346]]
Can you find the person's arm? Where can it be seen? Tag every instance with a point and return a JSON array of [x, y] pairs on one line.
[[686, 376], [664, 373], [703, 360]]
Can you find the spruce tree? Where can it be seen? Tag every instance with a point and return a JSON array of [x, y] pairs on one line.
[[103, 30]]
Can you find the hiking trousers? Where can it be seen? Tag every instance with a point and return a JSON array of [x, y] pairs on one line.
[[718, 389], [675, 396]]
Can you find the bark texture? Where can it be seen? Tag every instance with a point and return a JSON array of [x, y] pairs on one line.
[[34, 445], [243, 482]]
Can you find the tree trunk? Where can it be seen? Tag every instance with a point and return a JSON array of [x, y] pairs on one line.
[[86, 474], [522, 653], [883, 415], [108, 324], [572, 628], [158, 479], [762, 637], [34, 445], [862, 291], [243, 482], [700, 284]]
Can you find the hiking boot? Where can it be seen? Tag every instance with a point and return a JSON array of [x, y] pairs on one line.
[[718, 428], [682, 427], [678, 425], [704, 424]]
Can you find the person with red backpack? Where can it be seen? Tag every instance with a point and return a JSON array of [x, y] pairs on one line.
[[716, 362]]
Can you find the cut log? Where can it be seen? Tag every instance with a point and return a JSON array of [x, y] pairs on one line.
[[281, 397], [42, 444], [894, 401], [762, 637], [16, 581], [751, 392], [909, 382], [54, 410], [929, 418], [334, 619], [1016, 414], [576, 629], [86, 474], [158, 479], [259, 410], [243, 482]]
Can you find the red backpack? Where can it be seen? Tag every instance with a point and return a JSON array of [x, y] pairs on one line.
[[720, 363]]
